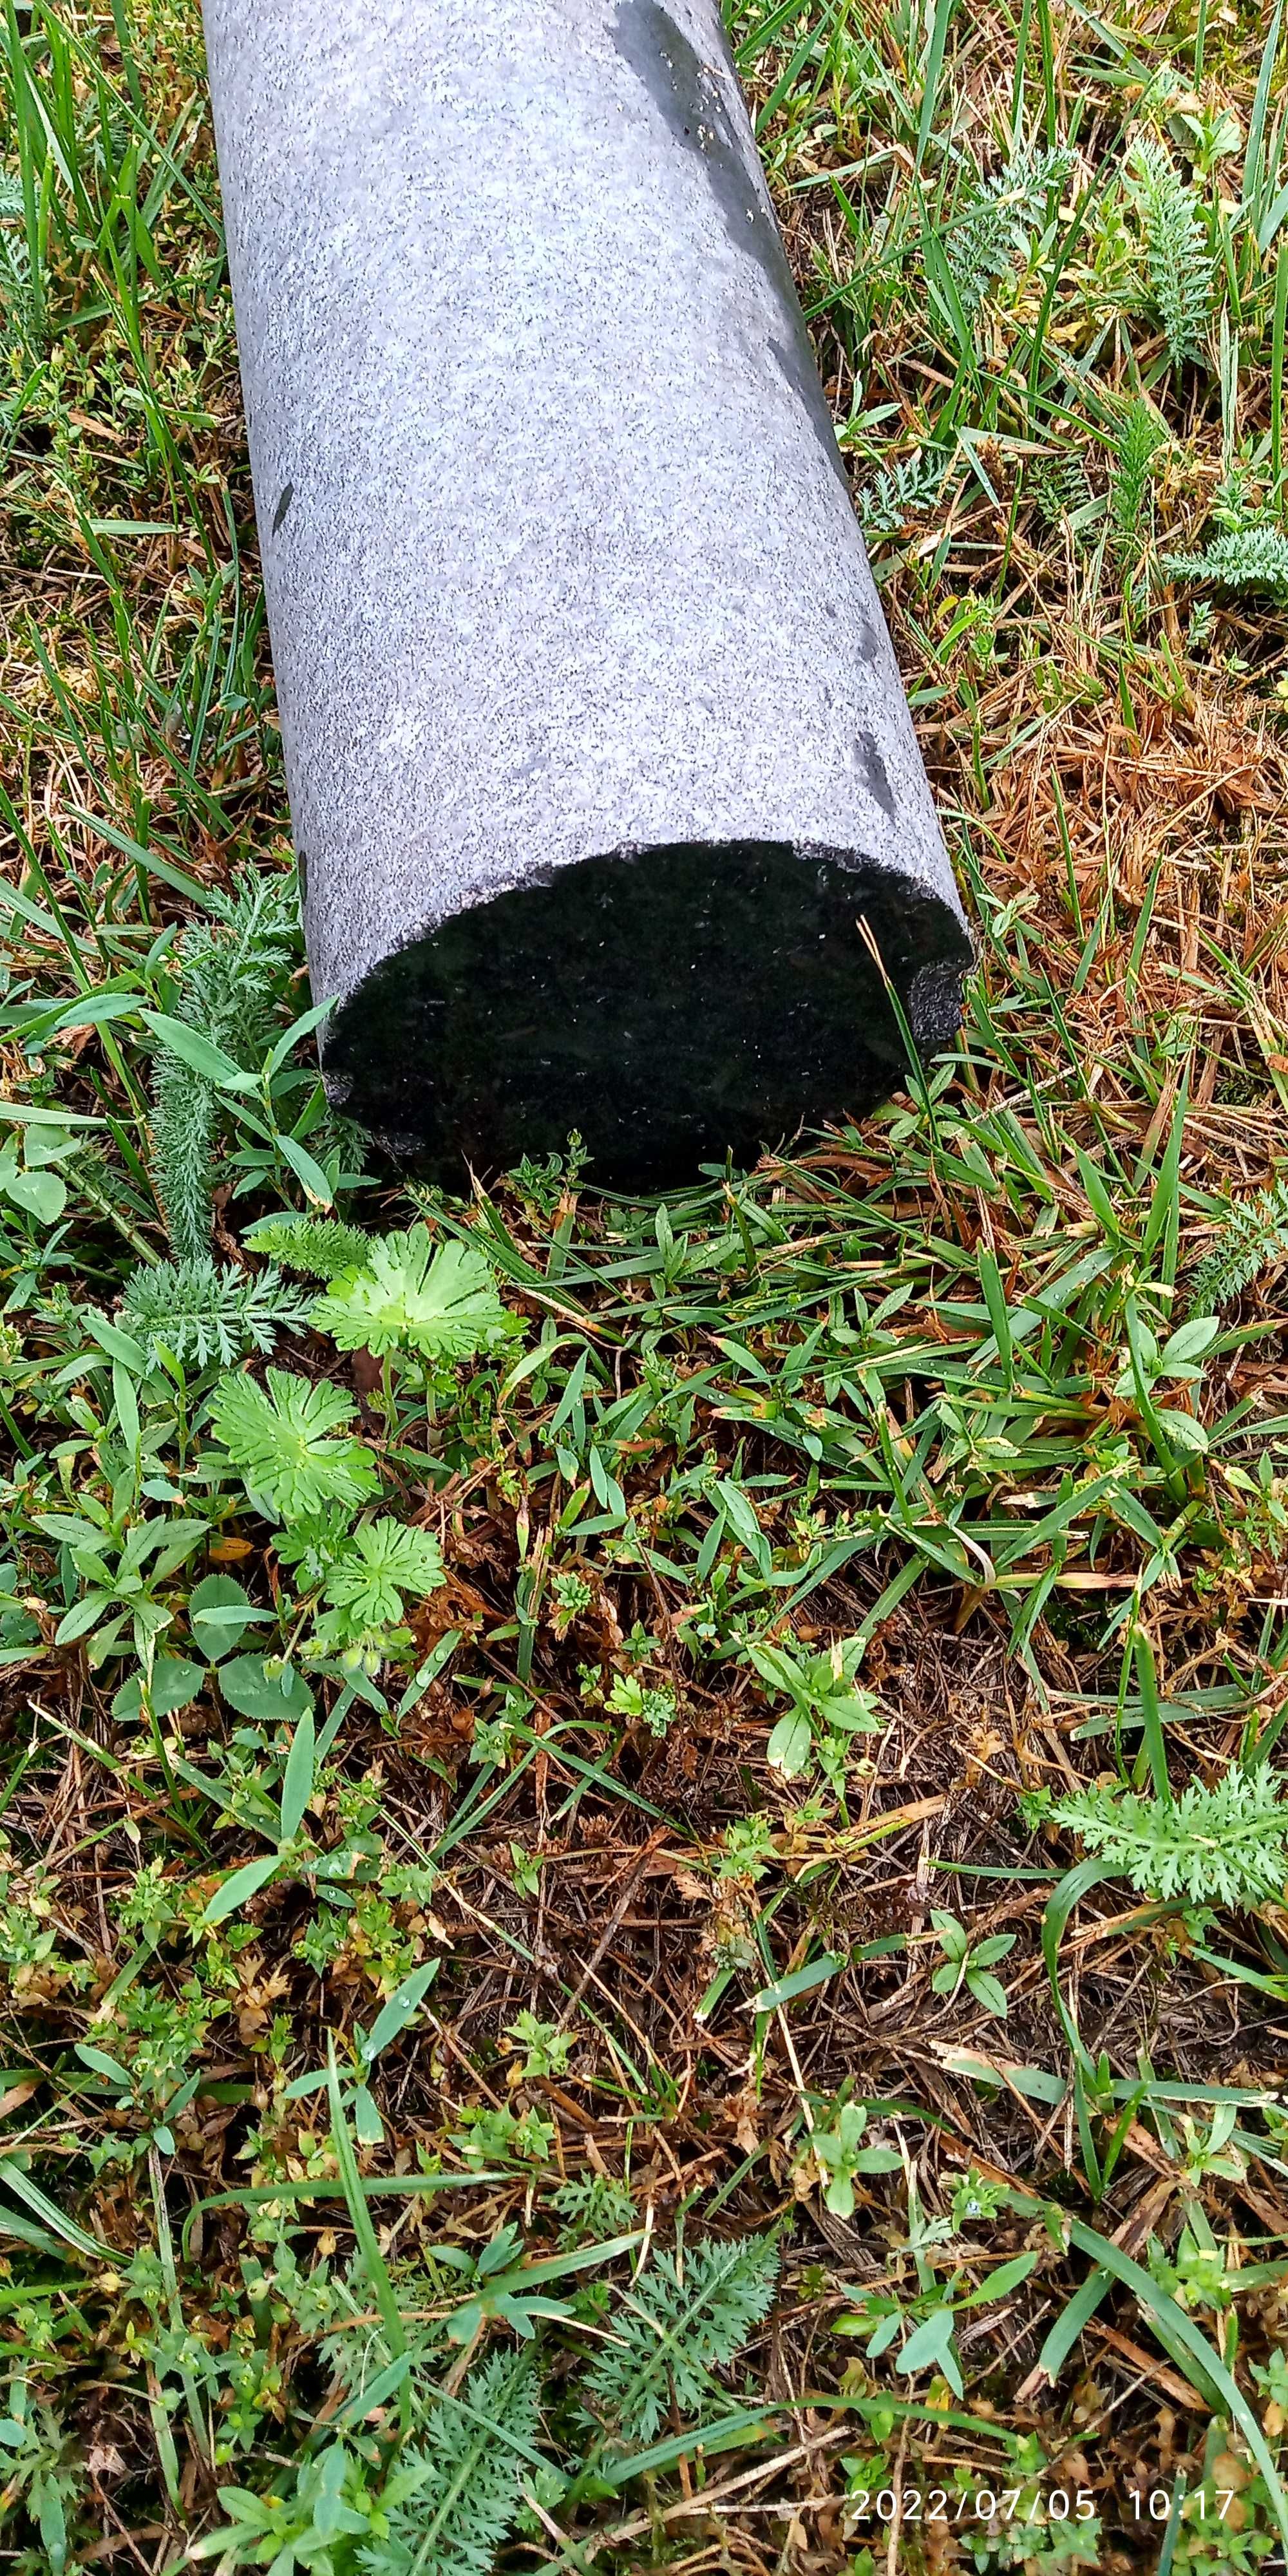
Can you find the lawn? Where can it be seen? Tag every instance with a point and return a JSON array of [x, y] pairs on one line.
[[643, 1863]]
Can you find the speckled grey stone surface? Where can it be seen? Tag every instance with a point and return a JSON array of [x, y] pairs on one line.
[[559, 554]]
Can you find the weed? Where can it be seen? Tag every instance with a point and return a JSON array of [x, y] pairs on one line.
[[826, 1711], [1225, 1845], [229, 974], [1177, 255], [835, 2154], [202, 1315], [969, 1963]]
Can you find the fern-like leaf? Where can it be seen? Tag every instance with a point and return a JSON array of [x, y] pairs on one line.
[[229, 969], [1221, 1846], [1141, 433], [185, 1122], [451, 2501], [1245, 559], [1176, 251], [200, 1313], [320, 1246], [674, 2328], [900, 491], [20, 334], [281, 1439], [407, 1296], [1254, 1235], [991, 231], [1062, 493]]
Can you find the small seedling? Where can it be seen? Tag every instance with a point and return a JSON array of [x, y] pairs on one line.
[[968, 1963], [546, 2049], [826, 1709], [834, 2153]]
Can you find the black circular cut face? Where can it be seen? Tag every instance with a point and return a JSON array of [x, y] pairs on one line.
[[670, 1004]]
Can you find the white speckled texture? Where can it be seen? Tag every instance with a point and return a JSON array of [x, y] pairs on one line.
[[558, 551]]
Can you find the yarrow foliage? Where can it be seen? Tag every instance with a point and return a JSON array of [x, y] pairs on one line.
[[676, 2327], [453, 2496], [320, 1246], [230, 967], [1221, 1846], [1176, 252], [1254, 1235], [1252, 558], [202, 1313]]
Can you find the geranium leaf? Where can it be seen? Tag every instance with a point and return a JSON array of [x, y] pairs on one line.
[[280, 1436], [382, 1561], [408, 1296]]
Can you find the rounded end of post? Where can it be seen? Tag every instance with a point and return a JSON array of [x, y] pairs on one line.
[[670, 1005]]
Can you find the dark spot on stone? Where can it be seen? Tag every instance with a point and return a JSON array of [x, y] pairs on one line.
[[876, 777], [794, 360], [283, 506], [870, 640], [700, 103], [302, 872]]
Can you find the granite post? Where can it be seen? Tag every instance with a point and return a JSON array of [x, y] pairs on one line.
[[597, 750]]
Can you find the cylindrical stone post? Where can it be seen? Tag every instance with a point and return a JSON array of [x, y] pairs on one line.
[[598, 756]]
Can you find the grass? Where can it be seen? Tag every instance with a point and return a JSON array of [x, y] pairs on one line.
[[642, 1907]]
